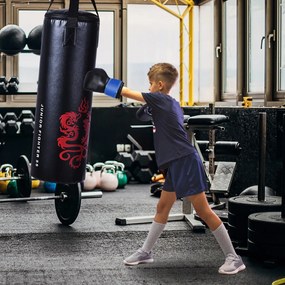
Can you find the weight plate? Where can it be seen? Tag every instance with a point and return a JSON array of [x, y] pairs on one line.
[[270, 222], [266, 251], [266, 238], [251, 204], [238, 235], [23, 171], [68, 209]]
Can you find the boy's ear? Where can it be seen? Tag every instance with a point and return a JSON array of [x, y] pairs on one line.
[[160, 85]]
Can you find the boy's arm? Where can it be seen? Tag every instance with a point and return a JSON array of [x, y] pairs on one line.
[[135, 95]]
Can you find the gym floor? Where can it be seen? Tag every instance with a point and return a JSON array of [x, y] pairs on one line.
[[37, 249]]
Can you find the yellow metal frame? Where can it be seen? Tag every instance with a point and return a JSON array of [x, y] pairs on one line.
[[187, 12]]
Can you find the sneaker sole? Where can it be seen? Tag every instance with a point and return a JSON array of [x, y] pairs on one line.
[[138, 262], [242, 267]]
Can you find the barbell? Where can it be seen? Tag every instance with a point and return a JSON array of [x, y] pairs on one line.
[[67, 196]]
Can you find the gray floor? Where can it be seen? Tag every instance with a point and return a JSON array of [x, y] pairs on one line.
[[37, 249]]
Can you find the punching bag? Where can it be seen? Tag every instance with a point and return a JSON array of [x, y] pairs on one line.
[[63, 109]]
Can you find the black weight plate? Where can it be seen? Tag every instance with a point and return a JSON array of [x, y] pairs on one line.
[[266, 238], [251, 204], [266, 251], [237, 220], [267, 222], [68, 209], [23, 171]]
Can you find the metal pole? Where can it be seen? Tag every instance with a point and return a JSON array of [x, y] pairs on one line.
[[283, 170], [63, 195], [262, 156]]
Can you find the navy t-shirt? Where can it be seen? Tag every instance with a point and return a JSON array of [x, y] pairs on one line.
[[170, 138]]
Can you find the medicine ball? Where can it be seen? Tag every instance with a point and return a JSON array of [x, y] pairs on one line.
[[34, 40], [12, 39]]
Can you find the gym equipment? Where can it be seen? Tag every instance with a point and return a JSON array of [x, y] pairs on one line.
[[49, 187], [279, 282], [5, 171], [3, 85], [202, 122], [27, 126], [10, 116], [34, 39], [11, 127], [126, 158], [67, 201], [63, 109], [108, 178], [240, 207], [12, 39], [121, 174], [90, 181], [97, 80], [26, 114], [266, 229]]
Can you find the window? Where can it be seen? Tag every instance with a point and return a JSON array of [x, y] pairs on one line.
[[153, 36], [256, 46], [230, 43], [206, 53], [281, 46]]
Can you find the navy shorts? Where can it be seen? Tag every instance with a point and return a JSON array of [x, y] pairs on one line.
[[186, 176]]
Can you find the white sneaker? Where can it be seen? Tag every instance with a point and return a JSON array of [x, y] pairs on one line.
[[232, 265], [138, 257]]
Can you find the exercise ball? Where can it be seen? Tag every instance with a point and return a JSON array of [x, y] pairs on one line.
[[34, 39], [12, 39]]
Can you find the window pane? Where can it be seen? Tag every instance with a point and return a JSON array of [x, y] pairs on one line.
[[206, 53], [153, 36], [256, 53], [230, 56], [29, 62], [282, 46]]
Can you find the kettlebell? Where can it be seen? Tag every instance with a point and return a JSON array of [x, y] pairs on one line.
[[49, 187], [90, 181], [108, 178], [97, 167], [121, 174], [12, 189], [5, 171]]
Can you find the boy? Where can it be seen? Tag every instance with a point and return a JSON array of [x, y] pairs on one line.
[[185, 176]]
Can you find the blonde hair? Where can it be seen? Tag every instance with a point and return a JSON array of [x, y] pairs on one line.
[[165, 72]]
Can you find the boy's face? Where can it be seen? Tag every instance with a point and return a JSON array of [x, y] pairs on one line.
[[155, 86]]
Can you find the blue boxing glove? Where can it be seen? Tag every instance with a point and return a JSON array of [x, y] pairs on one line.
[[97, 80], [144, 113]]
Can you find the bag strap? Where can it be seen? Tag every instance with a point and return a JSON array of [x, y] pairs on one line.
[[72, 21], [75, 6]]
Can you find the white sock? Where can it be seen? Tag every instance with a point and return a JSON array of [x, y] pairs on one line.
[[154, 233], [223, 239]]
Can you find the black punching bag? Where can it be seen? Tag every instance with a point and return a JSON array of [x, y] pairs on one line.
[[63, 110]]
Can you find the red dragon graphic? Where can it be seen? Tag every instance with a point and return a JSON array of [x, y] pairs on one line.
[[75, 129]]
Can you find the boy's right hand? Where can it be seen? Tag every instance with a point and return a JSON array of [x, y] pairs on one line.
[[97, 80]]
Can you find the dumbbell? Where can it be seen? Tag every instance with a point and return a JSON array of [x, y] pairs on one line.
[[27, 126], [3, 85], [12, 86], [11, 125], [126, 158], [26, 114]]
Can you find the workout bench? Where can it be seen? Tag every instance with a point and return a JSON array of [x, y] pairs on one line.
[[219, 174]]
